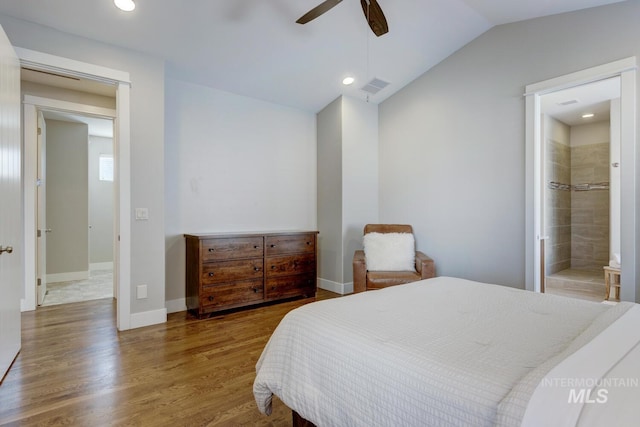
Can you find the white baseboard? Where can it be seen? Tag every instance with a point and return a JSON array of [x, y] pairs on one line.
[[101, 266], [338, 288], [147, 318], [67, 277], [176, 305]]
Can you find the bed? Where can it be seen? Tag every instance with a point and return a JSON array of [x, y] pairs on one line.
[[448, 351]]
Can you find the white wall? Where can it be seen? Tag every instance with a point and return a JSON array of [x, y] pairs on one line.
[[67, 206], [147, 144], [232, 164], [51, 92], [347, 186], [330, 240], [359, 175], [556, 130], [590, 133], [452, 159], [614, 182], [101, 204]]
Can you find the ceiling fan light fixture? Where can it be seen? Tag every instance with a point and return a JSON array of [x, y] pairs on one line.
[[348, 80], [125, 5]]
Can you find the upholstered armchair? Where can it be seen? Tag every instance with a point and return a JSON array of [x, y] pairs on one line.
[[417, 267]]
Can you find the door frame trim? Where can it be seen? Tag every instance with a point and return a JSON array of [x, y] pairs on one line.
[[626, 70], [122, 144]]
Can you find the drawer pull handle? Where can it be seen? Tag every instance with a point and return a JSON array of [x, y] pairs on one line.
[[256, 268], [273, 267], [308, 243], [210, 298], [255, 290], [273, 246], [210, 274], [255, 246], [211, 249]]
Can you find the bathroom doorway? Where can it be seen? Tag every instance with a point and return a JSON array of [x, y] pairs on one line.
[[581, 188], [535, 232]]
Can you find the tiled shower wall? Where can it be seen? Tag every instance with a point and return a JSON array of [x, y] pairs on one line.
[[590, 209], [577, 221], [558, 212]]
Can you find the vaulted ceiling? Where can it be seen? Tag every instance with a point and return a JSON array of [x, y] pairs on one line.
[[255, 48]]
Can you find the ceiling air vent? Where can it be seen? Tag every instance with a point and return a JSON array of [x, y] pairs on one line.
[[375, 86], [569, 102]]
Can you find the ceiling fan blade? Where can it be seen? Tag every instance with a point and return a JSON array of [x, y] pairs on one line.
[[375, 17], [317, 11]]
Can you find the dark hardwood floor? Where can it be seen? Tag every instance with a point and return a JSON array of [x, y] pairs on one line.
[[75, 368]]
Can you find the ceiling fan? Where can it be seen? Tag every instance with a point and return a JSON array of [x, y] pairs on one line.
[[372, 13]]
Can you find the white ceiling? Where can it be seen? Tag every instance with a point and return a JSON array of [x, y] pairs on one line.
[[569, 105], [255, 48]]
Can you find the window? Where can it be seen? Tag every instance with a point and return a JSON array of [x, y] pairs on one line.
[[106, 167]]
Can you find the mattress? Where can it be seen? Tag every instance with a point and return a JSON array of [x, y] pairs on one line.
[[442, 351]]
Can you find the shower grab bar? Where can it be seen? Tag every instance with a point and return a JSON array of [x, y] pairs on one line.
[[578, 187]]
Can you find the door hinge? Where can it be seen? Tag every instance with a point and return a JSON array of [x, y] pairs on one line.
[[39, 131], [39, 233], [39, 282]]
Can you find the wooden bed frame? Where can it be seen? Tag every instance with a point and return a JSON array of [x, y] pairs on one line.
[[298, 421]]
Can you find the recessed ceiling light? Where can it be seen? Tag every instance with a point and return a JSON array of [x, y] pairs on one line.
[[348, 80], [588, 115], [125, 5]]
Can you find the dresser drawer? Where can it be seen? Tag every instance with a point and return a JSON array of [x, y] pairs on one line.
[[291, 286], [287, 244], [231, 248], [232, 294], [227, 271], [288, 265]]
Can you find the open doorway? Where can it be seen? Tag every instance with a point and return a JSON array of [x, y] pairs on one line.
[[581, 188], [70, 125], [75, 208], [536, 232], [91, 75]]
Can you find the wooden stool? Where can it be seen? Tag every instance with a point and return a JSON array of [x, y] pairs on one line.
[[611, 277]]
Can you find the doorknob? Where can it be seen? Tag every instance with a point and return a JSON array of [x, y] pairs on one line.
[[8, 249]]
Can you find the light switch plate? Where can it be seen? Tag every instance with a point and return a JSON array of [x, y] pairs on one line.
[[142, 214]]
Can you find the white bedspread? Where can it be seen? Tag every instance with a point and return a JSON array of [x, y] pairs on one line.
[[441, 351], [595, 385]]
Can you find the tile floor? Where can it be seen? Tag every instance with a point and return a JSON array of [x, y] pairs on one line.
[[98, 286], [582, 284]]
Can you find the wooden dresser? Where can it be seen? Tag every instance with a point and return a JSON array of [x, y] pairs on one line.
[[231, 270]]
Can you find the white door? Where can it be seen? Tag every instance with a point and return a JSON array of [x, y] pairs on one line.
[[11, 237], [42, 230]]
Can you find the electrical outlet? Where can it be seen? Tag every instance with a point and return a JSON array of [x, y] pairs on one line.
[[142, 214], [141, 291]]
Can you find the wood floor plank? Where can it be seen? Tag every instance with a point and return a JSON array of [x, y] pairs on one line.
[[75, 368]]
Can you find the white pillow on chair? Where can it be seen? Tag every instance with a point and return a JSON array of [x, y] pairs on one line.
[[389, 251]]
